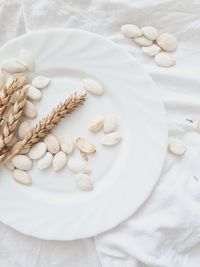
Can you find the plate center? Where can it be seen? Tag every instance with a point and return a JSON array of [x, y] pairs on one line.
[[63, 83]]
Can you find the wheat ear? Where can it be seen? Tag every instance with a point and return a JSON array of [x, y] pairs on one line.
[[13, 119], [48, 123], [18, 80]]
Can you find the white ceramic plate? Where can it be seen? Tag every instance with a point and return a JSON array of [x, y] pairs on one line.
[[124, 176]]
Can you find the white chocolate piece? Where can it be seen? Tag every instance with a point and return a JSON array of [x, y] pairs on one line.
[[67, 144], [59, 161], [143, 41], [150, 32], [14, 66], [111, 139], [130, 30], [52, 143], [22, 177], [22, 162], [45, 162], [40, 82], [167, 42], [163, 59], [77, 166], [33, 93], [92, 86], [30, 110], [110, 124], [84, 182], [85, 146], [176, 146], [96, 125], [38, 150], [151, 50]]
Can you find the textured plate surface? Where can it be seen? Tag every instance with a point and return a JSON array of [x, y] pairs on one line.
[[124, 176]]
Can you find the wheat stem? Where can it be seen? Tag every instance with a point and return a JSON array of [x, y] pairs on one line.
[[48, 123], [18, 80], [13, 119]]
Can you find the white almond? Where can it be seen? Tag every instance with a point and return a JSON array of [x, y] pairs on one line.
[[33, 93], [45, 162], [24, 128], [97, 124], [27, 58], [22, 177], [30, 110], [143, 41], [84, 182], [9, 165], [77, 165], [92, 86], [162, 59], [176, 146], [111, 139], [167, 42], [52, 143], [40, 82], [130, 30], [67, 144], [150, 32], [85, 146], [38, 150], [59, 161], [13, 66], [110, 124], [22, 162], [151, 50]]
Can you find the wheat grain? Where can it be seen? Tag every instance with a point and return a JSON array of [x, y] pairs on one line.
[[13, 119], [18, 80], [48, 123]]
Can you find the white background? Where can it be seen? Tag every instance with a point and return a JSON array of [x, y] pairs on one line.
[[165, 232]]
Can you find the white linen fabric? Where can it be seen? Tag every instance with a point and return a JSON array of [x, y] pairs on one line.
[[165, 231]]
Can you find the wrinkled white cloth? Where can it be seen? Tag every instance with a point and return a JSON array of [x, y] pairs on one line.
[[165, 231]]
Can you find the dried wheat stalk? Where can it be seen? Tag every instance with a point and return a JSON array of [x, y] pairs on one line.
[[48, 123], [13, 119], [18, 80]]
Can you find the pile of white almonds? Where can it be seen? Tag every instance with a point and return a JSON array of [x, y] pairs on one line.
[[153, 44], [53, 151], [25, 63], [109, 124]]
